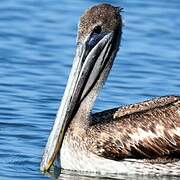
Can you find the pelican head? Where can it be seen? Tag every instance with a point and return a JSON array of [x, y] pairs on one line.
[[99, 33]]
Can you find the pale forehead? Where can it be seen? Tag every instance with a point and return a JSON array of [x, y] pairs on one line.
[[105, 15]]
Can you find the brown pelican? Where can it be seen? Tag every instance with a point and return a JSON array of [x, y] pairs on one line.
[[139, 137]]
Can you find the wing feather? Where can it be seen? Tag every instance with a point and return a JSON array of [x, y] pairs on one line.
[[143, 130]]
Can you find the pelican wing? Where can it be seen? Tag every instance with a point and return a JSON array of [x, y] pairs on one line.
[[144, 130]]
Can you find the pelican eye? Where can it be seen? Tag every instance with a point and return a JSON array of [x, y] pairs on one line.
[[97, 29], [95, 36]]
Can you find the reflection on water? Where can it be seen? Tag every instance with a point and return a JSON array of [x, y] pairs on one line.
[[36, 51], [86, 176]]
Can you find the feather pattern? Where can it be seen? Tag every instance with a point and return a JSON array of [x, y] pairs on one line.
[[146, 130]]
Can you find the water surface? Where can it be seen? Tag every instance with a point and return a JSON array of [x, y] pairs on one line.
[[37, 43]]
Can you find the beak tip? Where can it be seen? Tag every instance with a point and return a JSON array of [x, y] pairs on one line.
[[44, 167]]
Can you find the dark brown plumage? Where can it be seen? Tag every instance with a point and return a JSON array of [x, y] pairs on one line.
[[149, 130], [144, 130]]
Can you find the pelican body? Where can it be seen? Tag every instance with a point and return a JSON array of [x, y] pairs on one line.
[[138, 138]]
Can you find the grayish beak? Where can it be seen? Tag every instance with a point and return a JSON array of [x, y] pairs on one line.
[[87, 66]]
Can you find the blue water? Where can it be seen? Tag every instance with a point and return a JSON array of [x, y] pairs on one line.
[[37, 43]]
